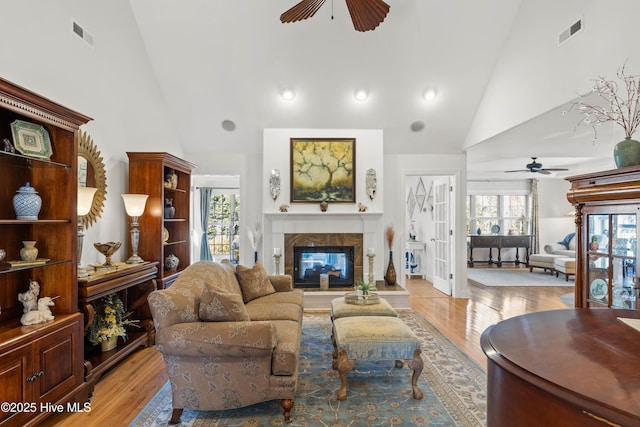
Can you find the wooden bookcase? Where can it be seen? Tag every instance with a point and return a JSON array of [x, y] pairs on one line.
[[147, 174], [607, 206], [43, 362]]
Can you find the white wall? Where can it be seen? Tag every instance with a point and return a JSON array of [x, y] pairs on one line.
[[111, 82], [535, 75]]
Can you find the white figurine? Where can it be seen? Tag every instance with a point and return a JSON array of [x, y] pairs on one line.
[[42, 314], [29, 299]]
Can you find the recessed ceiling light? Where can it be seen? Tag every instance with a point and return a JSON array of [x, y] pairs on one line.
[[288, 94], [361, 95], [430, 94], [228, 125]]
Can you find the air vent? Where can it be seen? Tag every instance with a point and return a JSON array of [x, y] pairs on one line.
[[83, 34], [570, 32]]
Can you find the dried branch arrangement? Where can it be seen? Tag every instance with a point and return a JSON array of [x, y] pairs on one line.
[[610, 106]]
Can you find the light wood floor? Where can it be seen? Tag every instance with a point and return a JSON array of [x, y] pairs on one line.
[[122, 393]]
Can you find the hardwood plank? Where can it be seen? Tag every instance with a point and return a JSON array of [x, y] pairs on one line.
[[124, 391]]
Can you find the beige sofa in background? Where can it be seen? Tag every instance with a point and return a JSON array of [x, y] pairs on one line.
[[229, 337]]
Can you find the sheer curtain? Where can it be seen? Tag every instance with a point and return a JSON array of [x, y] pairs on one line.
[[535, 216], [205, 201]]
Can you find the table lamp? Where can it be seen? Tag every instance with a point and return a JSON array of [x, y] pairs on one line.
[[85, 201], [134, 205]]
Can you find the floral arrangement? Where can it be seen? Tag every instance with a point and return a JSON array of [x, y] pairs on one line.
[[109, 320], [622, 109], [390, 234]]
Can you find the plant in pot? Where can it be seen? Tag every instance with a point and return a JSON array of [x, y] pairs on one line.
[[364, 287], [607, 105], [109, 322]]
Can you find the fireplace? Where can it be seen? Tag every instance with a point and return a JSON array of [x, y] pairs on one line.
[[310, 262], [339, 255]]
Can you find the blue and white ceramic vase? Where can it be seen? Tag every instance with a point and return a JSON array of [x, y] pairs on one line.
[[27, 202], [171, 262]]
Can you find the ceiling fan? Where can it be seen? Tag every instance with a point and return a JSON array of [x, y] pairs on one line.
[[365, 14], [536, 167]]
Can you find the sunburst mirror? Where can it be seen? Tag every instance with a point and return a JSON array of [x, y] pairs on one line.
[[91, 174]]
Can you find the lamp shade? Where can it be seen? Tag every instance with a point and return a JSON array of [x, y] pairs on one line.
[[85, 199], [134, 203]]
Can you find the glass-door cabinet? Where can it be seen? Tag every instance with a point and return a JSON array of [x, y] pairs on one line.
[[612, 251], [607, 208]]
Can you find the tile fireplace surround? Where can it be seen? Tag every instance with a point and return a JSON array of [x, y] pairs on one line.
[[363, 230]]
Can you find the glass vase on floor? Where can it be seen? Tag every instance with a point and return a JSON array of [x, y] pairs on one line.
[[390, 275]]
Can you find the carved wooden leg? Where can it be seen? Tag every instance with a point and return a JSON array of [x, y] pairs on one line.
[[175, 416], [287, 405], [416, 365], [344, 365], [334, 362]]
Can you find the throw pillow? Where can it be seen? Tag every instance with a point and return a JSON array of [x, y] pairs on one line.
[[254, 282], [220, 306], [567, 240]]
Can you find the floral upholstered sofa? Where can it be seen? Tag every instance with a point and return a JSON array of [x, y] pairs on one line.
[[230, 337]]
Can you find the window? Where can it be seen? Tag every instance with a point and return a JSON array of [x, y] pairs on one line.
[[224, 225], [510, 212]]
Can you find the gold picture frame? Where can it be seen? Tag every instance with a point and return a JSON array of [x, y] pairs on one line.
[[323, 169]]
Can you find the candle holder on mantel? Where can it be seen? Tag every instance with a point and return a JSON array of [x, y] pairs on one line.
[[371, 282], [276, 258]]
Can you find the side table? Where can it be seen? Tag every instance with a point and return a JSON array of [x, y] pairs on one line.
[[132, 282]]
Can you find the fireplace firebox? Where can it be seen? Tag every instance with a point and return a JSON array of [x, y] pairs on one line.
[[309, 262]]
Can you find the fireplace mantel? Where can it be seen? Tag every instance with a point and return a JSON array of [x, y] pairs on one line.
[[274, 216], [369, 224]]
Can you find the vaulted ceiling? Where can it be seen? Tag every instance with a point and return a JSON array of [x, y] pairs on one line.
[[228, 60]]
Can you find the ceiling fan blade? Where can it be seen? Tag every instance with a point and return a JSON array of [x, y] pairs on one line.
[[303, 10], [367, 14], [544, 171], [518, 170], [555, 169]]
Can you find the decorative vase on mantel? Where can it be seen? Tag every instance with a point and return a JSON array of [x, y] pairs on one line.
[[627, 153], [390, 275]]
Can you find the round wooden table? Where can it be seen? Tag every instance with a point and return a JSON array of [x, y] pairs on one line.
[[571, 367]]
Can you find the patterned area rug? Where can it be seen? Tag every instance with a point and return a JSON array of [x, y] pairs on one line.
[[378, 394], [516, 277]]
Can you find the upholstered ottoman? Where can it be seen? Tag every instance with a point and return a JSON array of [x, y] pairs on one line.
[[375, 338], [566, 266], [546, 261], [341, 308]]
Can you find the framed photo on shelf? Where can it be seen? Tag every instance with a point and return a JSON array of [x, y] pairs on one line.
[[323, 169]]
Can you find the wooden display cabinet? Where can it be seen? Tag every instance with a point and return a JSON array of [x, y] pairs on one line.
[[148, 172], [42, 362], [607, 206], [133, 283]]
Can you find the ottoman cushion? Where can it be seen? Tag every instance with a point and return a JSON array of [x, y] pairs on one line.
[[544, 260], [340, 308], [375, 337]]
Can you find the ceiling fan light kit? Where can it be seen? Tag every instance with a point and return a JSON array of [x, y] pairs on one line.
[[366, 15]]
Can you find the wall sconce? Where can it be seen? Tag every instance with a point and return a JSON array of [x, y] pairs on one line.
[[372, 183], [85, 200], [134, 205], [274, 184]]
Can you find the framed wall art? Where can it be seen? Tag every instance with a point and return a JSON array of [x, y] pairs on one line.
[[323, 169]]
